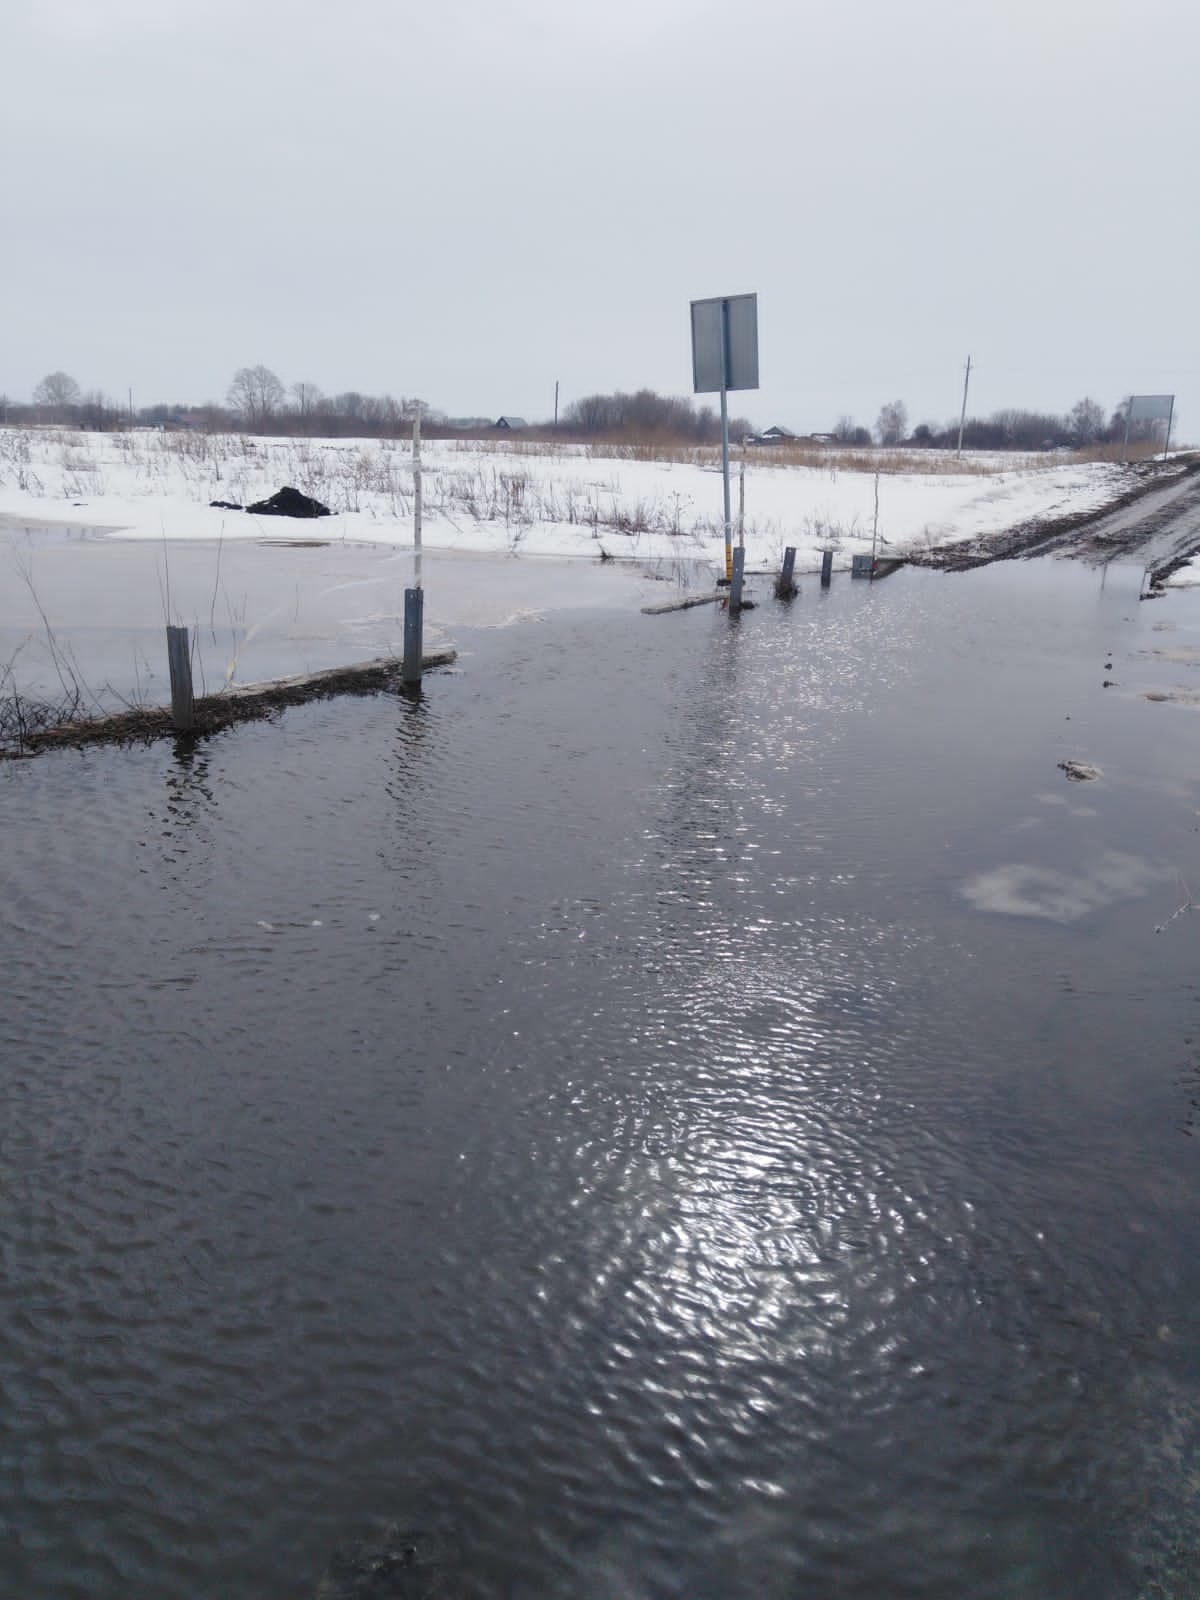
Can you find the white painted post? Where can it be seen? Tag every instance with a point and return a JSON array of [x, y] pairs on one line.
[[417, 500]]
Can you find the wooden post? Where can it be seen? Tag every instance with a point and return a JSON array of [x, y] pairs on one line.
[[414, 615], [826, 568], [179, 659]]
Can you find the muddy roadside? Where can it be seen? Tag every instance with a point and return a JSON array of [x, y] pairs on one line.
[[1157, 517], [25, 729]]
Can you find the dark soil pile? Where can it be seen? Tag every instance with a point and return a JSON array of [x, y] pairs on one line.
[[285, 502]]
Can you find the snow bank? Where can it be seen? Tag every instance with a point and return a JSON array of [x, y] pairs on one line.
[[515, 498]]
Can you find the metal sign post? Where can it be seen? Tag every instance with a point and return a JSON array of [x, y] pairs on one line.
[[725, 441], [724, 357]]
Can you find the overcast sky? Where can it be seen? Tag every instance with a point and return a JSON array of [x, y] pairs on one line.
[[469, 199]]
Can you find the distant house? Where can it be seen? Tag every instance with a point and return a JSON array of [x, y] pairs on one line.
[[510, 424], [775, 435]]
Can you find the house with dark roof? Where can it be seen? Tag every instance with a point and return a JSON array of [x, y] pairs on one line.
[[774, 435], [509, 424]]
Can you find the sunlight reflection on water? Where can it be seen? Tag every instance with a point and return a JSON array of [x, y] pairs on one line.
[[580, 1109]]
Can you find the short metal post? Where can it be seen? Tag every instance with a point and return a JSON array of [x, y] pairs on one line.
[[826, 568], [414, 615], [735, 582], [179, 660], [786, 587]]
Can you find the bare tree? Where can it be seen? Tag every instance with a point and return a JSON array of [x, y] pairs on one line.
[[96, 410], [892, 423], [646, 413], [255, 394], [307, 398], [350, 404], [1087, 422], [58, 392]]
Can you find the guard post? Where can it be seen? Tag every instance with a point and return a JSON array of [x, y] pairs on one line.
[[735, 580], [785, 583], [414, 618], [179, 661]]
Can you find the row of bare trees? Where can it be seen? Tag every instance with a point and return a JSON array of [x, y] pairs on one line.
[[261, 404], [258, 401], [646, 414], [1085, 425]]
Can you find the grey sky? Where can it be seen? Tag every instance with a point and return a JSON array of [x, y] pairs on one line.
[[467, 199]]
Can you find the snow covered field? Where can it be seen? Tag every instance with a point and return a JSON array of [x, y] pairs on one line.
[[513, 497]]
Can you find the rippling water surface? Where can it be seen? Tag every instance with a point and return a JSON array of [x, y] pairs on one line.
[[684, 1109]]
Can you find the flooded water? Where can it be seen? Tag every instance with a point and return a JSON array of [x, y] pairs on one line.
[[80, 610], [682, 1109]]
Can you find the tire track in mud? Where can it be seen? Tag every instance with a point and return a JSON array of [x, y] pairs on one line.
[[1161, 505]]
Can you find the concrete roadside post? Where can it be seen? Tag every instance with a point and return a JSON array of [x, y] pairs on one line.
[[826, 567]]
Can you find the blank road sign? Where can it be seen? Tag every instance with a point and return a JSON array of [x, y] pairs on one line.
[[1145, 407], [728, 341]]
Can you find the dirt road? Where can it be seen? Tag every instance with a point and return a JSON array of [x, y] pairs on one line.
[[1157, 518]]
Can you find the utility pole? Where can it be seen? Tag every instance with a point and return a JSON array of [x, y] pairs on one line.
[[963, 414], [556, 402]]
